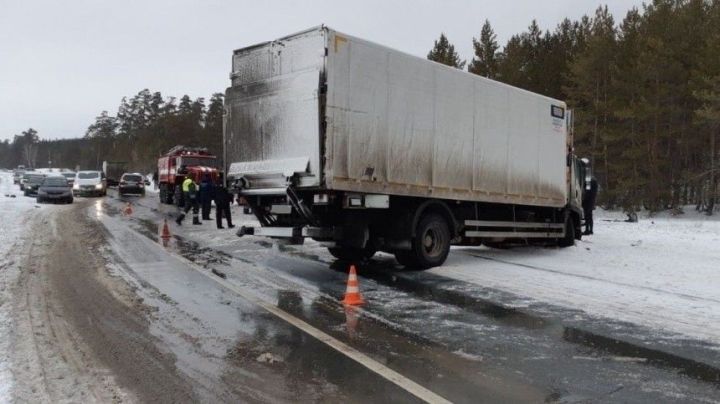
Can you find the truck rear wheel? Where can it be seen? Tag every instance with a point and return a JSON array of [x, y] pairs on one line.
[[352, 254], [431, 245]]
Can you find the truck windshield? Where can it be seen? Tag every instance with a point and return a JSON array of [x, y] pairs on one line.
[[198, 161]]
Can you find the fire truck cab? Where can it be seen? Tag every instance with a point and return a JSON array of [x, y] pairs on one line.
[[180, 162]]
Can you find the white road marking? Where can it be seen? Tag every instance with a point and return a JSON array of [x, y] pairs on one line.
[[383, 371]]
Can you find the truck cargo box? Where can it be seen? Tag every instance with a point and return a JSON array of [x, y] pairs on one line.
[[341, 113]]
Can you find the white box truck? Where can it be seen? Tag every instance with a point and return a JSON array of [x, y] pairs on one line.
[[370, 149]]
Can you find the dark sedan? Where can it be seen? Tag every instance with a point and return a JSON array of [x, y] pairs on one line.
[[55, 188], [32, 183]]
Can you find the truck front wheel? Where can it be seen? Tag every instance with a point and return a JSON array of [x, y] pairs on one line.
[[430, 246]]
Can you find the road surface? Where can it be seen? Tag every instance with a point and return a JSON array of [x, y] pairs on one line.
[[104, 311]]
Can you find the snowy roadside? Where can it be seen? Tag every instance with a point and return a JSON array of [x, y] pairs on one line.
[[13, 213], [661, 273]]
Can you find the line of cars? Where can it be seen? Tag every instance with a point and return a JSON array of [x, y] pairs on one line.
[[63, 185]]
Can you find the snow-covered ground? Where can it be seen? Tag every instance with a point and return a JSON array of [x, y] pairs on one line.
[[662, 273], [13, 213]]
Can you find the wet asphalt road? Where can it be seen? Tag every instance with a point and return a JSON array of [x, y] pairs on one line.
[[463, 350]]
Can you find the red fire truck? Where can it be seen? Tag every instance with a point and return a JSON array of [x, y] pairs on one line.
[[182, 161]]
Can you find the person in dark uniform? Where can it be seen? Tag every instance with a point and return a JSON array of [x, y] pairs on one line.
[[588, 203], [206, 196], [223, 199], [155, 179]]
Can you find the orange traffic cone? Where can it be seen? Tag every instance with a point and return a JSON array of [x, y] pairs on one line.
[[165, 231], [352, 293]]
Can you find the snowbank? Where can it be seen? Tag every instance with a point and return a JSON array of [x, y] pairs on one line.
[[662, 273], [12, 213]]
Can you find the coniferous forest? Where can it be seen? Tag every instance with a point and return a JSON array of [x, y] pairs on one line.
[[645, 90]]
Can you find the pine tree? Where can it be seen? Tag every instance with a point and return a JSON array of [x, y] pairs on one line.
[[590, 93], [29, 140], [214, 123], [485, 63], [708, 115], [444, 52], [512, 63]]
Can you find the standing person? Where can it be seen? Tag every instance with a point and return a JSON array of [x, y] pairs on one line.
[[588, 203], [222, 206], [155, 178], [190, 195], [206, 196]]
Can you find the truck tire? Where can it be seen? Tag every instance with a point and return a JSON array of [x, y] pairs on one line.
[[569, 239], [430, 246], [351, 254]]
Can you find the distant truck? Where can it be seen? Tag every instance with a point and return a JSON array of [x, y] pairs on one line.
[[113, 171], [196, 161], [369, 149]]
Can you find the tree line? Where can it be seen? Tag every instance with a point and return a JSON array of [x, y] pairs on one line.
[[144, 126], [645, 91]]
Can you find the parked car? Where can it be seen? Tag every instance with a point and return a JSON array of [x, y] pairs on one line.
[[24, 179], [32, 183], [55, 188], [17, 176], [69, 176], [131, 183], [90, 183]]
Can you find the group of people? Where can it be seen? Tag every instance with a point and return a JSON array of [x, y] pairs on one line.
[[199, 198]]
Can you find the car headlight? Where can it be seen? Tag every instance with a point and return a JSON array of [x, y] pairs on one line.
[[76, 186], [98, 186]]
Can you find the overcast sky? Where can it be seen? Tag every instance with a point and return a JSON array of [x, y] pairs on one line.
[[62, 62]]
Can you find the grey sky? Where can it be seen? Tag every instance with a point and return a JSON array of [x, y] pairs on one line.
[[62, 62]]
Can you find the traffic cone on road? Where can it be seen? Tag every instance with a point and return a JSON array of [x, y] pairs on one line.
[[352, 293], [165, 231]]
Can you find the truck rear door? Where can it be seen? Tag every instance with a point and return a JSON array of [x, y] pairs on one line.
[[272, 121]]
